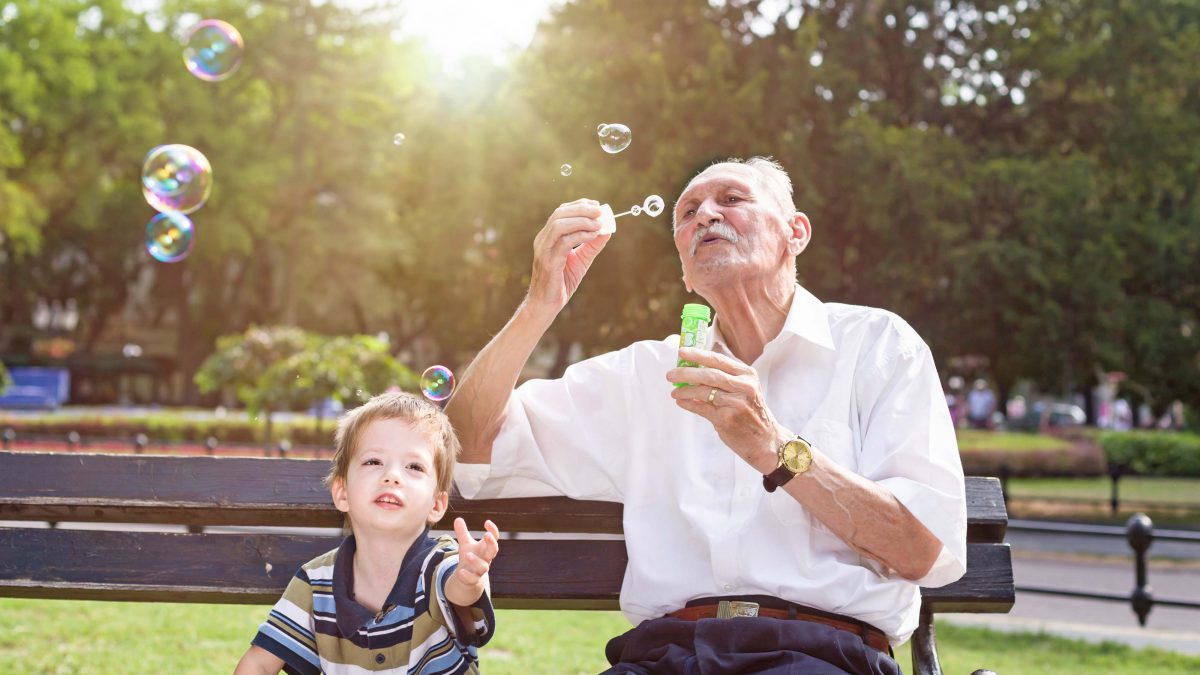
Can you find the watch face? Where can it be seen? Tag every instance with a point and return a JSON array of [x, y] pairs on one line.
[[796, 456]]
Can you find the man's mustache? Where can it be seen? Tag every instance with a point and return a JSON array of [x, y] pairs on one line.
[[719, 229]]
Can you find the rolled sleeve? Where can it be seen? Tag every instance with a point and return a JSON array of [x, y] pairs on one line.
[[909, 447]]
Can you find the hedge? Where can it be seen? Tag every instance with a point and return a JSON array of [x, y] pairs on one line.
[[172, 428], [1154, 453]]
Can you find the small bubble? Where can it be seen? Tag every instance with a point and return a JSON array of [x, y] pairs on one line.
[[600, 128], [565, 169], [635, 210], [437, 383], [398, 139], [213, 51], [169, 237], [615, 137], [653, 205]]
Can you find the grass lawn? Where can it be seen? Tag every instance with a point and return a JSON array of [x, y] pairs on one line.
[[1009, 441], [61, 636], [1099, 488]]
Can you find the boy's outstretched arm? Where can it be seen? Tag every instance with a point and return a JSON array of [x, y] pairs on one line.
[[257, 660], [470, 580]]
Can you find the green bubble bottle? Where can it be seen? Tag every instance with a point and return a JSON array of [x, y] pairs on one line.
[[693, 333]]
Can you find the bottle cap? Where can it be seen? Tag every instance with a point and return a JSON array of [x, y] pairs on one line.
[[697, 311]]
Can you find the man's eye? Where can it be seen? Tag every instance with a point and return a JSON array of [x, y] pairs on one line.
[[733, 198], [689, 212]]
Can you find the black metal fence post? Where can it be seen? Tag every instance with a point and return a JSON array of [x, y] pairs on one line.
[[1140, 531], [1114, 472]]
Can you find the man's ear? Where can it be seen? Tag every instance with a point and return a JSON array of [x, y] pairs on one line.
[[801, 233], [337, 490], [687, 284], [441, 502]]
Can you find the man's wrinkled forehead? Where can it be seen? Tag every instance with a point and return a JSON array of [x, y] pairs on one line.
[[718, 174]]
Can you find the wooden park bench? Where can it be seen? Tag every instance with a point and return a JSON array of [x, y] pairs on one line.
[[563, 572]]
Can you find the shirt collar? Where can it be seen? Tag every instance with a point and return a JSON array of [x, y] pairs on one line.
[[352, 616], [806, 319]]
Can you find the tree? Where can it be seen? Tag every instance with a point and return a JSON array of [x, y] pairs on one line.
[[249, 363], [5, 379]]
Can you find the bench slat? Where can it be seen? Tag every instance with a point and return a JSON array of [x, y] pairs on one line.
[[188, 490], [255, 569]]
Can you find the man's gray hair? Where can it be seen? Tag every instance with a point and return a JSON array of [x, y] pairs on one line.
[[773, 176]]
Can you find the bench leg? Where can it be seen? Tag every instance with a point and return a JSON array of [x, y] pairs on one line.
[[924, 646]]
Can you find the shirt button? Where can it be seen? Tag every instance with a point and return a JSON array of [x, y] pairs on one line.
[[379, 658]]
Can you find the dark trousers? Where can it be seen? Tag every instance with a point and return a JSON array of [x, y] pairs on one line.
[[743, 645]]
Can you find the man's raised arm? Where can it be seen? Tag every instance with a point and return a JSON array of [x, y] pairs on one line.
[[562, 253]]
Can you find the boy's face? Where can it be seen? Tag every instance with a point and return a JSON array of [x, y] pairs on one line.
[[391, 484]]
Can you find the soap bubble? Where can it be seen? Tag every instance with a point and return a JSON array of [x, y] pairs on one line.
[[398, 139], [565, 170], [615, 137], [635, 210], [169, 236], [176, 178], [653, 205], [437, 383], [602, 129], [213, 51]]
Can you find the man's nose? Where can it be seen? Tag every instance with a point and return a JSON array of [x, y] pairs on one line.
[[708, 213]]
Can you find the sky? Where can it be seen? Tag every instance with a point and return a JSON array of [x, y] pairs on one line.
[[457, 29]]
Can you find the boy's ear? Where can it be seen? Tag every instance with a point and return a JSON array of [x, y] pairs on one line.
[[441, 502], [337, 490]]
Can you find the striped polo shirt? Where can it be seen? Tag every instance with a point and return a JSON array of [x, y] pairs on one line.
[[317, 626]]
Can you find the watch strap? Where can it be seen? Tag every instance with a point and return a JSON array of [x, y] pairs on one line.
[[780, 476]]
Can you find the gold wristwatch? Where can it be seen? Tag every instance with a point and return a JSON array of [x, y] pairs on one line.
[[794, 456]]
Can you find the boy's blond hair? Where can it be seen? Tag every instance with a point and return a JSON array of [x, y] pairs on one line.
[[421, 414]]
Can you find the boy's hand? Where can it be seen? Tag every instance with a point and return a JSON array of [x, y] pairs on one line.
[[474, 560]]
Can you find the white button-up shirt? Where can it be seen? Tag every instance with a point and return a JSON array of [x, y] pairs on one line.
[[856, 382]]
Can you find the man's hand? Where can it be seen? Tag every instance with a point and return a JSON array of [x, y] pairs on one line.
[[728, 394], [474, 560], [563, 251]]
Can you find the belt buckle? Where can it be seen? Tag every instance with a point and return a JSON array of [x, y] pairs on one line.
[[731, 609]]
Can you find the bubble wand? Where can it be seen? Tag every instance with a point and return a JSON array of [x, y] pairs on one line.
[[653, 206]]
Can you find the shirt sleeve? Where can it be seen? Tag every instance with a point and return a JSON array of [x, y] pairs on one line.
[[288, 631], [482, 616], [561, 437], [909, 447]]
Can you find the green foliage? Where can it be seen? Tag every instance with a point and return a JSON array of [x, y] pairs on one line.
[[1010, 180], [281, 367], [1154, 453], [5, 378]]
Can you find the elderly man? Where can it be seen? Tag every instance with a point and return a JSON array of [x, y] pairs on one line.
[[807, 483]]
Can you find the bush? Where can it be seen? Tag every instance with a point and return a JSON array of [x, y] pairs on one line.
[[168, 428], [1154, 453]]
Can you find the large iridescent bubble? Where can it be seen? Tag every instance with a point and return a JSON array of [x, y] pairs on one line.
[[437, 383], [213, 51], [176, 178], [614, 137], [169, 236]]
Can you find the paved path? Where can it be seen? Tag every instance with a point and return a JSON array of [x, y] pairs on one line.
[[1103, 565]]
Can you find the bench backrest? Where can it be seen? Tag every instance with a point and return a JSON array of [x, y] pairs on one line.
[[579, 566]]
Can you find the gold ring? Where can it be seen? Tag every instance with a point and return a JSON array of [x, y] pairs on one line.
[[712, 396]]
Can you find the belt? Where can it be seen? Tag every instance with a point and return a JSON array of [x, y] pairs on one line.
[[731, 609]]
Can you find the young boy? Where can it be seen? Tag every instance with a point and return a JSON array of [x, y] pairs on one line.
[[390, 598]]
